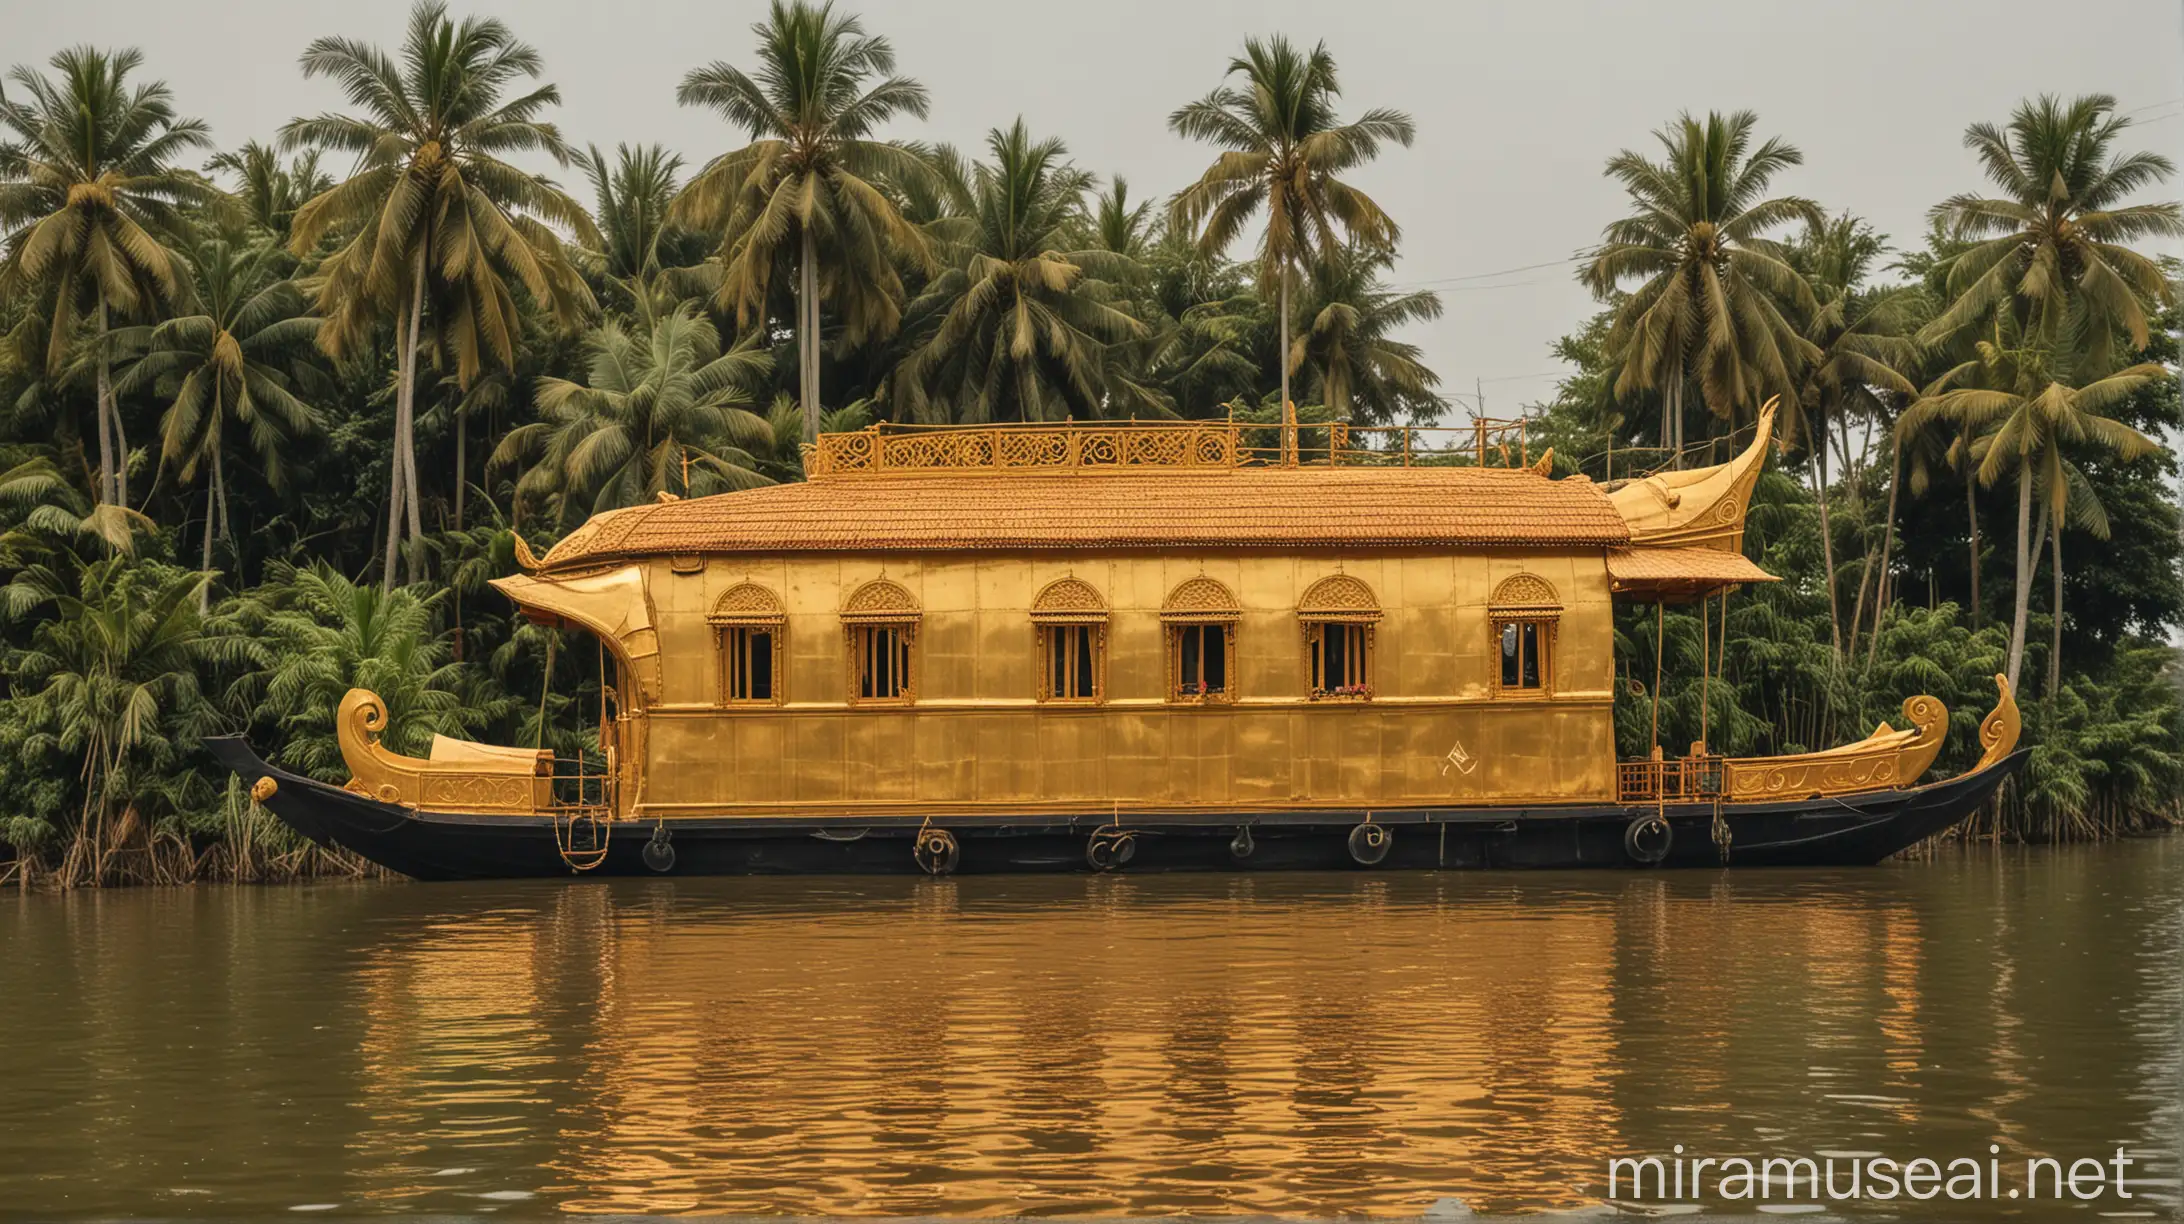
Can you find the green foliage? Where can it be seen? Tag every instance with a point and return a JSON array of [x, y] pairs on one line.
[[810, 190], [667, 412], [321, 635], [1019, 326], [89, 202], [2053, 250], [274, 340], [1713, 290], [107, 690]]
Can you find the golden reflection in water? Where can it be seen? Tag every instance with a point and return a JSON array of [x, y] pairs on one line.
[[457, 1044], [1122, 1045], [1301, 1046]]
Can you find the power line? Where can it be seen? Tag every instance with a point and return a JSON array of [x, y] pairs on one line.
[[1518, 377], [1552, 263]]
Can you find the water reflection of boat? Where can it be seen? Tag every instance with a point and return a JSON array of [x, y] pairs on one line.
[[1142, 647]]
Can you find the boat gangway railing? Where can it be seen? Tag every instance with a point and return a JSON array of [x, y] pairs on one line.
[[580, 784], [1691, 779]]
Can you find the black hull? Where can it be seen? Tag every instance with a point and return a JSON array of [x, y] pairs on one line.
[[1855, 830]]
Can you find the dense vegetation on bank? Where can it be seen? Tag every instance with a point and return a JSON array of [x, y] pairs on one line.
[[271, 416]]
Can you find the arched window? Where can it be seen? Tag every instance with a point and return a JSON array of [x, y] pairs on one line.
[[1524, 613], [880, 619], [1338, 614], [1199, 620], [747, 622], [1072, 624]]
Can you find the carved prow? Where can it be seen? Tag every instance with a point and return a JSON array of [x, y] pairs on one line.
[[459, 777], [1886, 759]]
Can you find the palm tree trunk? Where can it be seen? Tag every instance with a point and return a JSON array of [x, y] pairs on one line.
[[1289, 410], [1671, 416], [1971, 510], [1888, 543], [405, 458], [411, 500], [204, 593], [2055, 642], [219, 487], [460, 468], [2024, 572], [104, 409], [807, 337], [394, 514], [1827, 545]]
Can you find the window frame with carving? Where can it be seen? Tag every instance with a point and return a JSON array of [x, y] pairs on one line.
[[743, 611], [1200, 606], [877, 607], [1520, 602], [1347, 603], [1066, 612]]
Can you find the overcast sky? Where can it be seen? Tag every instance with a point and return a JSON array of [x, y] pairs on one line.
[[1518, 104]]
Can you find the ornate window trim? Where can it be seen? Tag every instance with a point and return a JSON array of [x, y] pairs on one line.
[[1338, 599], [1070, 604], [1524, 599], [1199, 603], [743, 607], [885, 605]]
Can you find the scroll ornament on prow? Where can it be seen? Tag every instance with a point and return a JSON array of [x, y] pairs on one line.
[[1999, 729], [458, 776]]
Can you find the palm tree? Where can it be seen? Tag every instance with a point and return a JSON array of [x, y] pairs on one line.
[[664, 412], [89, 199], [327, 635], [1116, 225], [643, 255], [269, 189], [2025, 397], [2054, 245], [1710, 280], [1283, 147], [433, 211], [50, 513], [112, 677], [807, 192], [1858, 355], [1360, 371], [1021, 325], [229, 367]]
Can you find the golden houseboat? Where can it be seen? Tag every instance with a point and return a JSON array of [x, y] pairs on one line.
[[1132, 646]]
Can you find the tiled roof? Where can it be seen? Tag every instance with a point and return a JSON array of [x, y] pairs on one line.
[[1246, 507], [1681, 565]]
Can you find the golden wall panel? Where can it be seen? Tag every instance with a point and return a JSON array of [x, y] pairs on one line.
[[977, 739], [1259, 742], [1070, 750]]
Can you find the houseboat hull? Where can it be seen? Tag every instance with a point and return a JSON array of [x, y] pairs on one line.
[[1844, 830]]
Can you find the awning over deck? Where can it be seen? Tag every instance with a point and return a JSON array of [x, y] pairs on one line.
[[1674, 575]]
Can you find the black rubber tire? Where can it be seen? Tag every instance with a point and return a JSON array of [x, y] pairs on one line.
[[1369, 844], [1638, 840], [659, 854], [1241, 845], [936, 852]]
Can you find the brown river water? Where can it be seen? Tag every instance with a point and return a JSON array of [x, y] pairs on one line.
[[1396, 1045]]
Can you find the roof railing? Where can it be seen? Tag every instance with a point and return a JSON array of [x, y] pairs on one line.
[[880, 449]]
